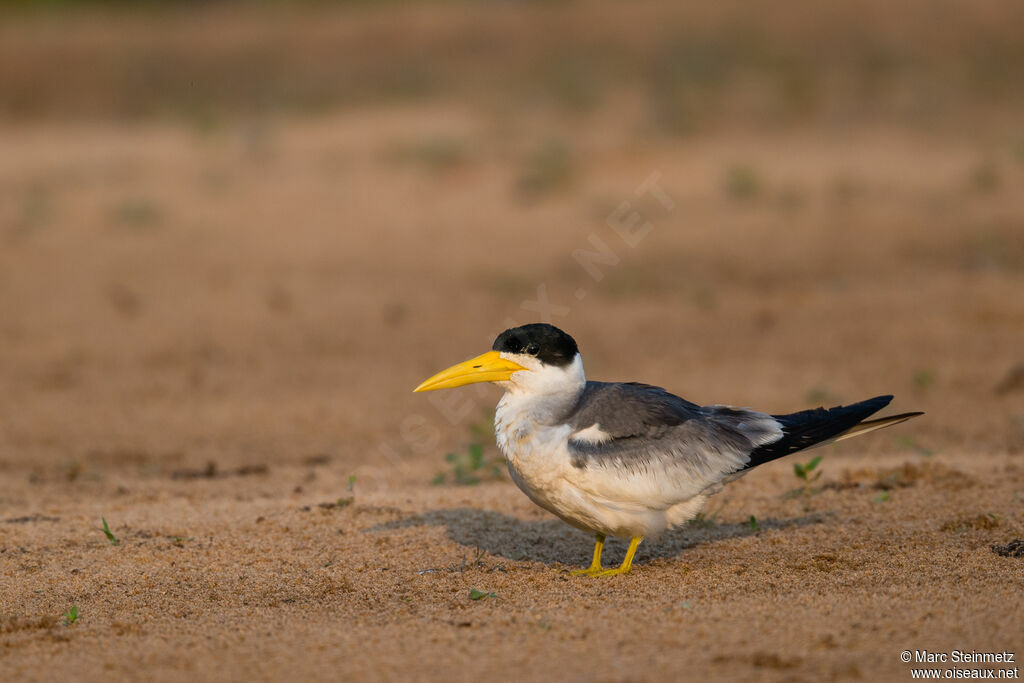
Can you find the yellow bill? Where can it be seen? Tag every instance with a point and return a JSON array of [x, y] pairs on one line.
[[490, 367]]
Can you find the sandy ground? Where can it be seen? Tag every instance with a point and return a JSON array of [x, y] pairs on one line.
[[206, 374], [205, 334]]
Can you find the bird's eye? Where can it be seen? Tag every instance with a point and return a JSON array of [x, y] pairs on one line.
[[532, 349]]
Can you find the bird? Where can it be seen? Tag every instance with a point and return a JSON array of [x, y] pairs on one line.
[[626, 459]]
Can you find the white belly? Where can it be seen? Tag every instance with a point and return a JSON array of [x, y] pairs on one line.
[[539, 463]]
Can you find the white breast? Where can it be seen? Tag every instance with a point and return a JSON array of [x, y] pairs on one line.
[[539, 463], [537, 454]]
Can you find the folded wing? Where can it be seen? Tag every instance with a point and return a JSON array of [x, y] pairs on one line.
[[636, 444]]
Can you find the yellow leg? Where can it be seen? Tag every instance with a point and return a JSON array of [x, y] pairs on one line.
[[595, 565], [627, 563]]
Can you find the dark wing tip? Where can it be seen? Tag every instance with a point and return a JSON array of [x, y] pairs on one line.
[[880, 401], [808, 427]]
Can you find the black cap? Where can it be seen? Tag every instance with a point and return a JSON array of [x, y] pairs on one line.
[[548, 343]]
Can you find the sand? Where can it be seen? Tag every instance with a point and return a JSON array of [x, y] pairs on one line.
[[205, 336]]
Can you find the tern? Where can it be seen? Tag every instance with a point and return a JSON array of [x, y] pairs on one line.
[[625, 459]]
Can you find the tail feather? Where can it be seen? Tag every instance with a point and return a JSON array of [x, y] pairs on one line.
[[821, 426], [869, 426]]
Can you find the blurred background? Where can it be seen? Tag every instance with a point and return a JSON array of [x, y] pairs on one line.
[[238, 234]]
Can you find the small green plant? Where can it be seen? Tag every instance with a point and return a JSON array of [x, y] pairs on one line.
[[71, 616], [808, 473], [909, 443], [179, 541], [742, 183], [476, 563], [482, 431], [704, 520], [114, 540], [1017, 150], [469, 468], [137, 213], [701, 520], [351, 489], [436, 154], [542, 623], [573, 83], [804, 471], [846, 189], [975, 523], [923, 380], [474, 594], [821, 395], [548, 169], [882, 497], [752, 522], [36, 209]]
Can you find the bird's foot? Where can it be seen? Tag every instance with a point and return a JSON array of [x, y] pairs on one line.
[[589, 571], [612, 572]]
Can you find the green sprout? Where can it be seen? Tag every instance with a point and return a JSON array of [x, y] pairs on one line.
[[114, 540], [71, 616], [742, 183], [820, 394], [436, 154], [923, 380], [752, 522], [704, 520], [470, 468], [909, 443], [808, 474], [474, 594], [548, 169], [803, 471], [351, 488]]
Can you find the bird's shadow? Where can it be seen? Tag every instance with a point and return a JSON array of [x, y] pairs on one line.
[[552, 540]]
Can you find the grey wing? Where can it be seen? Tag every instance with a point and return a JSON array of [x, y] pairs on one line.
[[634, 442]]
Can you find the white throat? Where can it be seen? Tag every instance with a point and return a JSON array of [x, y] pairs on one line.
[[542, 394]]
